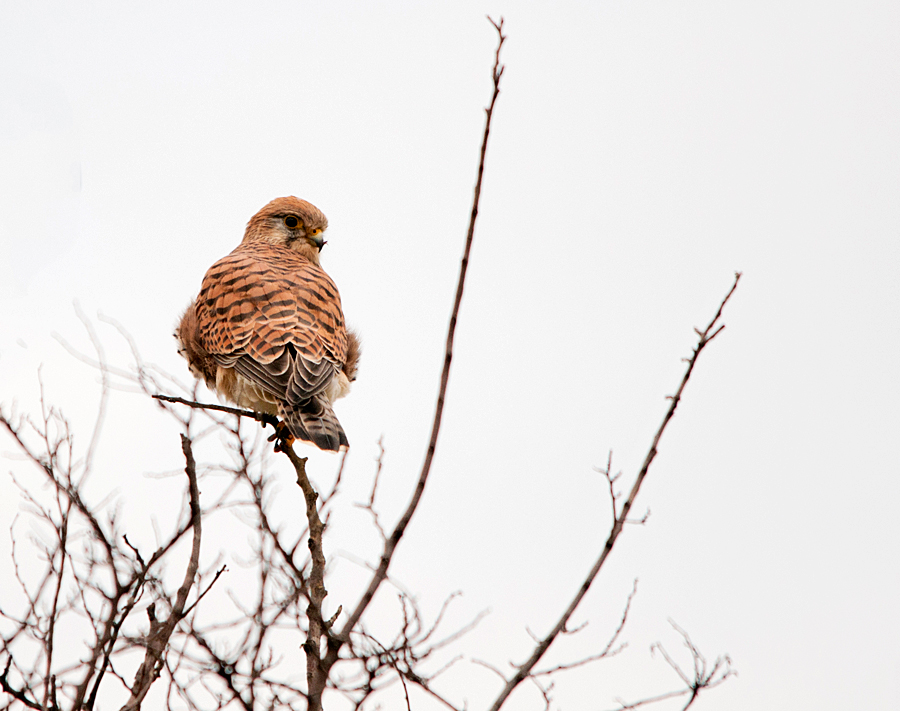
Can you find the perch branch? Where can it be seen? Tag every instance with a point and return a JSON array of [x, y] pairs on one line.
[[262, 417]]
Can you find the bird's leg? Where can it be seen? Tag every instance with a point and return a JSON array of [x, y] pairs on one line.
[[283, 438]]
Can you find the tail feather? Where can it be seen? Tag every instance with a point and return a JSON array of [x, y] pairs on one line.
[[314, 421]]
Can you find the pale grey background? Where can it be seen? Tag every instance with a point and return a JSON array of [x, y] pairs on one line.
[[642, 152]]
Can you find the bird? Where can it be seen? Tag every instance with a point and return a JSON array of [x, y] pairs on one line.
[[267, 330]]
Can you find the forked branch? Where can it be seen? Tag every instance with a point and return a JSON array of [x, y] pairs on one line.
[[704, 677]]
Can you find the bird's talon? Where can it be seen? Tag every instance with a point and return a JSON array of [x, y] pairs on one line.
[[283, 438]]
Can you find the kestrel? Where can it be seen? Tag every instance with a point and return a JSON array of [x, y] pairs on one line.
[[267, 330]]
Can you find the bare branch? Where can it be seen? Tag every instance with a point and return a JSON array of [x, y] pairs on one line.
[[65, 508], [15, 693], [336, 642], [262, 417], [703, 678], [316, 671], [431, 692], [608, 651], [161, 631], [370, 504], [524, 670], [337, 479]]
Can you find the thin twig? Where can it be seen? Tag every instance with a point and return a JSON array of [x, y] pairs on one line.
[[608, 651], [262, 417], [703, 679]]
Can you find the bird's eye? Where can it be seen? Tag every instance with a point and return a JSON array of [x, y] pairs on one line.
[[291, 222]]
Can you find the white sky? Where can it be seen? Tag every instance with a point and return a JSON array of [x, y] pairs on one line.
[[642, 152]]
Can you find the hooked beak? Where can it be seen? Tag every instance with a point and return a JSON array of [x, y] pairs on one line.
[[318, 241]]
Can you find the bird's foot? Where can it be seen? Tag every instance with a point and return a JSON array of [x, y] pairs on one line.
[[283, 438]]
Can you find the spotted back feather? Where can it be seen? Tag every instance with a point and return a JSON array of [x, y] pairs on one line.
[[262, 297]]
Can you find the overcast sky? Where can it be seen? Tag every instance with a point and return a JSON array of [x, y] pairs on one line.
[[642, 152]]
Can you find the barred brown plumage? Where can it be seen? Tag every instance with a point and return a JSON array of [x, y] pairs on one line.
[[267, 330]]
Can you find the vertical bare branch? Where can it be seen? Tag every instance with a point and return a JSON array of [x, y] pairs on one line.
[[161, 631], [335, 642], [63, 534], [316, 673]]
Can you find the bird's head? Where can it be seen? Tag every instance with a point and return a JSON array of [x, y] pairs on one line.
[[290, 222]]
